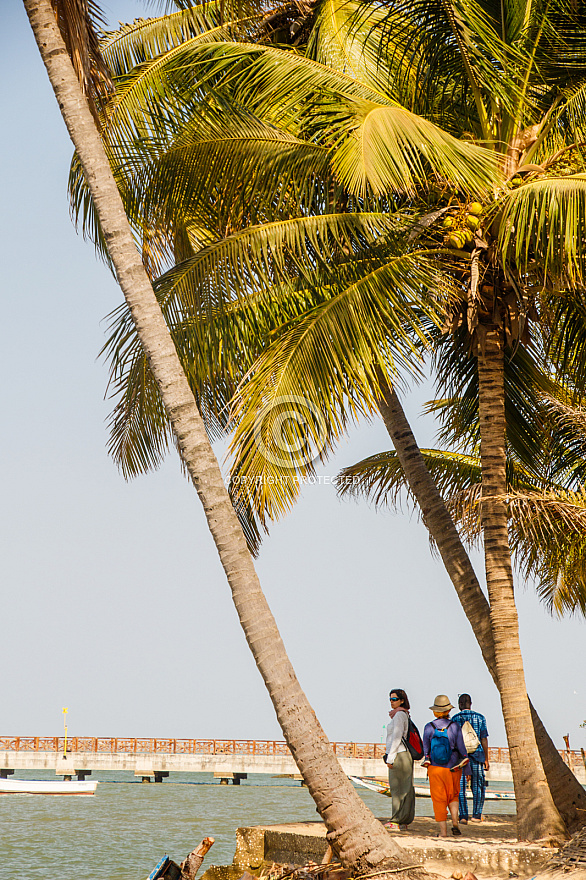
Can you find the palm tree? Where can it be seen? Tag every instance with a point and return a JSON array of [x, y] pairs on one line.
[[354, 834], [361, 177], [508, 63]]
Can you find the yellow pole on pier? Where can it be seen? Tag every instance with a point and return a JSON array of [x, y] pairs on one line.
[[65, 711]]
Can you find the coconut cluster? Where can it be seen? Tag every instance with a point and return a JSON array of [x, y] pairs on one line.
[[460, 227]]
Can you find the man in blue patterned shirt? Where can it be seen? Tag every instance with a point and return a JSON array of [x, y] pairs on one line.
[[478, 760]]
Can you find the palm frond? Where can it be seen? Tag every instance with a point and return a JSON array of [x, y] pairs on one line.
[[566, 125], [390, 148], [255, 259], [323, 370], [458, 477], [455, 52], [543, 224], [134, 43], [338, 42], [350, 116], [381, 479], [566, 322], [548, 535], [568, 438], [219, 176], [214, 176]]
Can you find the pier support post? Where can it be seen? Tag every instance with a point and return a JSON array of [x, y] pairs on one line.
[[81, 774], [5, 773], [160, 775], [224, 776]]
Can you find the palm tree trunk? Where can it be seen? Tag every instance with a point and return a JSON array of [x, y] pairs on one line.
[[537, 816], [439, 523], [568, 795], [355, 835]]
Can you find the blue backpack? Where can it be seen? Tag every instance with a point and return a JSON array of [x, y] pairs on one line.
[[441, 749]]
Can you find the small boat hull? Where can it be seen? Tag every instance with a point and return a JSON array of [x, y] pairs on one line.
[[423, 791], [167, 869], [47, 786]]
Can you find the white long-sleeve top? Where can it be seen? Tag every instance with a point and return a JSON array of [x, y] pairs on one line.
[[396, 730]]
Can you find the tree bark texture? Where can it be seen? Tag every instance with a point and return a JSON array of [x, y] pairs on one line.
[[537, 816], [568, 794], [356, 836]]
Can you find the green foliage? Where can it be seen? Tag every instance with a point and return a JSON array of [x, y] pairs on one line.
[[538, 227], [314, 214]]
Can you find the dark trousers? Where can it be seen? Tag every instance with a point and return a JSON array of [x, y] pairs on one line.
[[477, 784]]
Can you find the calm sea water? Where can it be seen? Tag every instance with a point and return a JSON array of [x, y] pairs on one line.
[[121, 832]]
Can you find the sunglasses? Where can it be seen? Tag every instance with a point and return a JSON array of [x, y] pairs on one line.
[[394, 699]]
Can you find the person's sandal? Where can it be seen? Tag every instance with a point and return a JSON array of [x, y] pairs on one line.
[[456, 831], [392, 826]]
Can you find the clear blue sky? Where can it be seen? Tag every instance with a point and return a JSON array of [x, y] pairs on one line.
[[114, 603]]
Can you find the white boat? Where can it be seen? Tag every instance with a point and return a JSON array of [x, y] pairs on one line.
[[47, 786], [423, 790]]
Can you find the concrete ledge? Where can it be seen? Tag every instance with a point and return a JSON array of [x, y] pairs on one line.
[[488, 850]]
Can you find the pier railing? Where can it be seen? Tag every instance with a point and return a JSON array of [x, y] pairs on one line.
[[125, 745], [136, 745]]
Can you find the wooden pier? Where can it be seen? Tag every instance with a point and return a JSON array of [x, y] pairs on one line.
[[229, 759]]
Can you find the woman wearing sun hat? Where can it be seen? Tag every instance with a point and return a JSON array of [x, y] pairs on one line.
[[444, 756]]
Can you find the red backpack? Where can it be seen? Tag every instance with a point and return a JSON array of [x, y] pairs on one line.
[[413, 742]]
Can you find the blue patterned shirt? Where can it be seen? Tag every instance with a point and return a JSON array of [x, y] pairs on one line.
[[478, 722]]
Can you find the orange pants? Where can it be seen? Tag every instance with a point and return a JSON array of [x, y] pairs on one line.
[[444, 787]]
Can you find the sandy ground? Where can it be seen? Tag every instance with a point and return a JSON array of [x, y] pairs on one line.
[[494, 828]]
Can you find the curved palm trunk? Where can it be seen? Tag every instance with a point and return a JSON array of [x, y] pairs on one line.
[[440, 524], [356, 836], [537, 816], [568, 794]]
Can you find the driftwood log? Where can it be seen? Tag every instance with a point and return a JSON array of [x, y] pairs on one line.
[[192, 863]]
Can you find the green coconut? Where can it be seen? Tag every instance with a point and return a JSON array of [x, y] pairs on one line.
[[472, 222], [475, 208], [456, 240], [448, 223]]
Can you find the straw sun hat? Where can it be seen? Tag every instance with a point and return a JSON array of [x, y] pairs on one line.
[[441, 704]]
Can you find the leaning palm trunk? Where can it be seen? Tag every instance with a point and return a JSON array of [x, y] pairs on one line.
[[568, 795], [537, 816], [355, 835]]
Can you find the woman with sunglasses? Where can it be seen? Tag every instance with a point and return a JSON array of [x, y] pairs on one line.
[[399, 763]]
